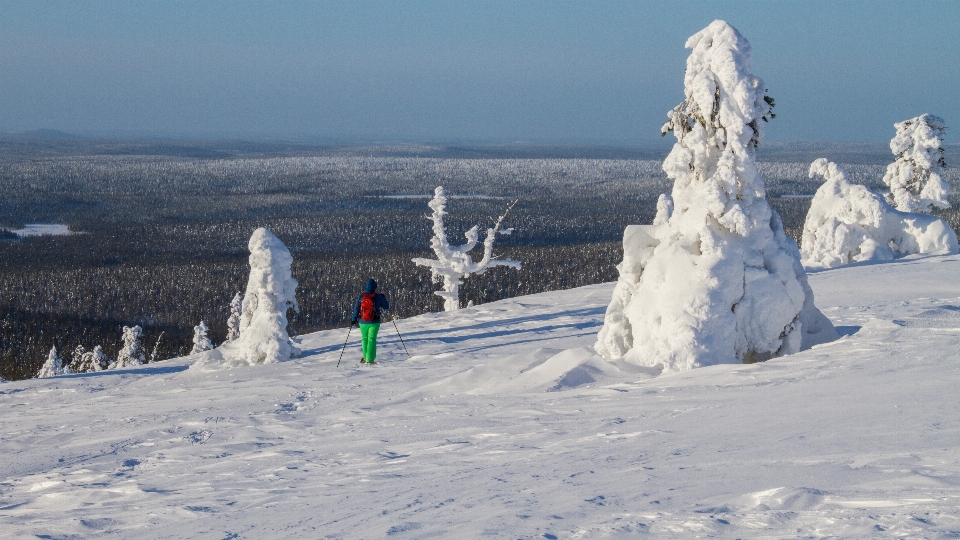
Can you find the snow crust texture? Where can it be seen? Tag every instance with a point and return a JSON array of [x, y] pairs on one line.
[[271, 291], [914, 178], [715, 279], [455, 263], [849, 223]]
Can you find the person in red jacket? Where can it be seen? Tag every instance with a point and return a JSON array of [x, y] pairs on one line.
[[366, 313]]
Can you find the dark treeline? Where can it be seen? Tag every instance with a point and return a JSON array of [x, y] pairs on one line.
[[163, 241]]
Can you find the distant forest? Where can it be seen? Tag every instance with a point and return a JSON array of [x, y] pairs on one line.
[[163, 225]]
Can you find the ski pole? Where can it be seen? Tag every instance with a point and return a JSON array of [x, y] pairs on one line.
[[344, 345], [394, 319]]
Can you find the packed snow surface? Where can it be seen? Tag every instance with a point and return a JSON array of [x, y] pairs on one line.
[[504, 423]]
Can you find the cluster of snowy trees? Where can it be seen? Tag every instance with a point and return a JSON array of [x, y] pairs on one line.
[[84, 361], [715, 279]]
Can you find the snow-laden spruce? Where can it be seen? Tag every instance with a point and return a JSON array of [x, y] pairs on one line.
[[201, 342], [92, 361], [455, 263], [849, 223], [271, 291], [914, 178], [131, 354], [233, 322], [53, 367], [716, 280]]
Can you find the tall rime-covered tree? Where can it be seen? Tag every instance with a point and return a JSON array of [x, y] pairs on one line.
[[455, 263], [271, 292], [717, 280], [914, 178]]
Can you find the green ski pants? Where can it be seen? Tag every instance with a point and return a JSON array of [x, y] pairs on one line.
[[368, 332]]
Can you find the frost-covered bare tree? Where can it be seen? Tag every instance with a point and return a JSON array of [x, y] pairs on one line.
[[200, 340], [914, 178], [233, 322], [53, 367], [717, 280], [455, 263], [131, 354]]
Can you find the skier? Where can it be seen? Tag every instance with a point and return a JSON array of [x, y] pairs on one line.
[[366, 313]]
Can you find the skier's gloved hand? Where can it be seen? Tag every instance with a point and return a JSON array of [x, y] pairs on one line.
[[353, 322]]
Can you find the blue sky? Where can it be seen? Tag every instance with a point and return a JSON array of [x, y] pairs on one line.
[[455, 71]]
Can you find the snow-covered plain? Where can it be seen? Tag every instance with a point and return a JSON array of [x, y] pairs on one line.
[[504, 423]]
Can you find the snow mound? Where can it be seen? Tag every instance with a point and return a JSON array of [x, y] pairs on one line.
[[271, 291], [849, 223], [715, 279]]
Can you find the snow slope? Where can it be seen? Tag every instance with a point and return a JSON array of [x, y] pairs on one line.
[[504, 423]]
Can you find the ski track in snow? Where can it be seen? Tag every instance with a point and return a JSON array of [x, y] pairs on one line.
[[504, 423]]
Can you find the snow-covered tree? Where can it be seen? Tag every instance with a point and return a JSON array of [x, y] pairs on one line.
[[271, 291], [200, 340], [131, 354], [92, 361], [914, 177], [455, 263], [233, 323], [53, 367], [716, 280], [76, 358], [850, 223], [156, 345]]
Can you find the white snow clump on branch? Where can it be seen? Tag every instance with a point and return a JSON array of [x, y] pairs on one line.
[[849, 223], [914, 177], [715, 280], [53, 367], [454, 263], [271, 291], [131, 354]]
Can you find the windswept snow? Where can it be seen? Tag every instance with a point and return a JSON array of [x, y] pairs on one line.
[[504, 423]]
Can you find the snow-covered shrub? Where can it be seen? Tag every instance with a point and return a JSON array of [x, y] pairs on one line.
[[233, 322], [850, 223], [53, 367], [200, 340], [914, 178], [455, 263], [716, 280], [131, 354], [92, 361], [76, 358], [271, 291]]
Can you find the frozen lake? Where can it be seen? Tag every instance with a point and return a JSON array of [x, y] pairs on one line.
[[43, 229]]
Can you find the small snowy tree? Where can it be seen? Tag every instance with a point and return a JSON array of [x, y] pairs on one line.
[[53, 367], [455, 263], [716, 280], [92, 361], [200, 340], [76, 358], [131, 354], [914, 177], [233, 323], [271, 291], [156, 346], [849, 223]]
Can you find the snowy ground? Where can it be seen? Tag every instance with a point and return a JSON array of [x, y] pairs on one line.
[[504, 424]]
